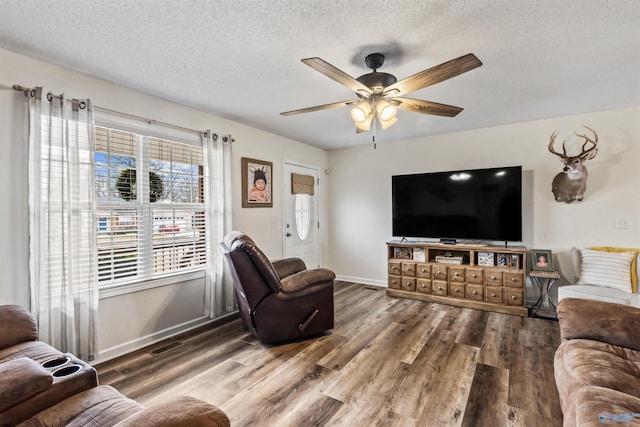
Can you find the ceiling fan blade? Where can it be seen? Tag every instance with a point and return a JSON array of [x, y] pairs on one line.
[[427, 107], [320, 107], [433, 75], [338, 75]]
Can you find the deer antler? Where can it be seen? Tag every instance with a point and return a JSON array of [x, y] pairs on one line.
[[552, 140], [588, 140]]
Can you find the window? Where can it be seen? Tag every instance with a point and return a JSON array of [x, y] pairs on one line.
[[150, 206]]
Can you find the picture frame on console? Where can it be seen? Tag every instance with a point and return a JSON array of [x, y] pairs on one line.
[[541, 260], [403, 253], [514, 261]]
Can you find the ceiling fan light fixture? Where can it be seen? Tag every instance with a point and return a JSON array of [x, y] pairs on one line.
[[385, 111], [361, 112]]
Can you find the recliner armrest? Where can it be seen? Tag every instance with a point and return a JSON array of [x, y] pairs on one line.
[[22, 379], [18, 325], [306, 279], [616, 324], [288, 266]]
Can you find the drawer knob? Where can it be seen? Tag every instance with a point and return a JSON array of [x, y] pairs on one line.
[[456, 290], [493, 277], [456, 274], [423, 271], [474, 275], [493, 295], [439, 288], [423, 285], [475, 292], [513, 297], [513, 279]]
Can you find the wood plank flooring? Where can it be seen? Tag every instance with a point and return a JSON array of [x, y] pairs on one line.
[[388, 362]]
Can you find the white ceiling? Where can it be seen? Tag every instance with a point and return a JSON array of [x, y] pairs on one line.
[[240, 59]]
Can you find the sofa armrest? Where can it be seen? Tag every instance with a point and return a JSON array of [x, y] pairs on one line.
[[184, 411], [22, 379], [18, 325], [616, 324], [288, 266], [306, 279]]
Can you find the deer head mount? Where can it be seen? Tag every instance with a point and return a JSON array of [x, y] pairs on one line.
[[570, 184]]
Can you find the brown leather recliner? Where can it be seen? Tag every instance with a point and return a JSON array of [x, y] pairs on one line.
[[279, 301]]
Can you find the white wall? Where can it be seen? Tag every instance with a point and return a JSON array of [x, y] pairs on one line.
[[360, 184], [129, 321]]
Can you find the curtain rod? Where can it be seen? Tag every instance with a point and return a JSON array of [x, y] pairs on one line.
[[27, 90]]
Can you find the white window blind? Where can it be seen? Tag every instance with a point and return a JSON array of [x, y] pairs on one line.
[[150, 206]]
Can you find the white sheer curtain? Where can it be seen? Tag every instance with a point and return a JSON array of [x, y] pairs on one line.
[[218, 205], [63, 264]]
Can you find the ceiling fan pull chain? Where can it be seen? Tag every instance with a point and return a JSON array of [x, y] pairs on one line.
[[375, 131]]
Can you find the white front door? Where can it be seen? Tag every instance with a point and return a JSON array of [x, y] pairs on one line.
[[301, 218]]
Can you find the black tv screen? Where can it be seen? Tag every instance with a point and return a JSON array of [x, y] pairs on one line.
[[478, 204]]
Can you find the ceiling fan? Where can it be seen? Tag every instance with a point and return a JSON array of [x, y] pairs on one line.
[[381, 94]]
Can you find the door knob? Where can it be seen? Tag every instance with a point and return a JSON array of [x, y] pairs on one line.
[[288, 234]]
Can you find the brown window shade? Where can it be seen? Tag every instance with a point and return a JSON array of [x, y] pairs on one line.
[[301, 184]]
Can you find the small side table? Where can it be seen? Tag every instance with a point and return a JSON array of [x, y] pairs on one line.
[[544, 279]]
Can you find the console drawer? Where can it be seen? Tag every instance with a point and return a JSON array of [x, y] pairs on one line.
[[395, 282], [513, 296], [395, 267], [515, 280], [409, 269], [474, 275], [408, 284], [439, 287], [423, 270], [456, 290], [494, 294], [423, 286], [475, 292], [456, 274], [439, 272], [493, 277]]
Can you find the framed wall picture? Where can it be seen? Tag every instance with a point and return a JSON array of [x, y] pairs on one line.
[[541, 260], [257, 184]]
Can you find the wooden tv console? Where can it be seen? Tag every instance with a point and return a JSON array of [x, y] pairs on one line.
[[474, 276]]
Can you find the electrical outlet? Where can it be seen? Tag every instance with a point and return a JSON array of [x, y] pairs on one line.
[[622, 222]]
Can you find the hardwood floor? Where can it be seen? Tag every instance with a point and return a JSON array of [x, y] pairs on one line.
[[388, 362]]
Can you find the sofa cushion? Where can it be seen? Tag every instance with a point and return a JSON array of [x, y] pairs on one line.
[[35, 350], [22, 378], [601, 321], [580, 362], [98, 406], [594, 292], [597, 406], [17, 326], [184, 411]]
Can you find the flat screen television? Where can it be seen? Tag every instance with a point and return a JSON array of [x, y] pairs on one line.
[[478, 204]]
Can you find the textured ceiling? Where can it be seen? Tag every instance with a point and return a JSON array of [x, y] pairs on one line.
[[240, 59]]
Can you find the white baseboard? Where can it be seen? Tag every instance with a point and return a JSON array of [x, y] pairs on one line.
[[141, 342], [363, 280]]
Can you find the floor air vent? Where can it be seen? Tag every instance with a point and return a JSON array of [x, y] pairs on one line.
[[167, 347]]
